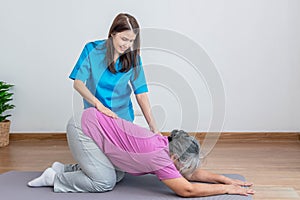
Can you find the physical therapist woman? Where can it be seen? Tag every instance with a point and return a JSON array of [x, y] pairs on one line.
[[106, 67]]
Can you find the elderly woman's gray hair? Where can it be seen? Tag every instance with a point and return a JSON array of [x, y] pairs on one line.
[[186, 149]]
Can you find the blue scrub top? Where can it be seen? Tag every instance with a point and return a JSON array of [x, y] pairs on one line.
[[112, 90]]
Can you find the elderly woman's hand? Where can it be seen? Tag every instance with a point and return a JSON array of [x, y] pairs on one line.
[[234, 189], [239, 183]]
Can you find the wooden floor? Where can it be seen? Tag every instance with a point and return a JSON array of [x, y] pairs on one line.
[[273, 166]]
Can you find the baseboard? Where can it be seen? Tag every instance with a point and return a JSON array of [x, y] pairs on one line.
[[253, 136], [225, 136], [37, 136]]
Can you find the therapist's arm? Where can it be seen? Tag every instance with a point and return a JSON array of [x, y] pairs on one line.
[[144, 104], [80, 87]]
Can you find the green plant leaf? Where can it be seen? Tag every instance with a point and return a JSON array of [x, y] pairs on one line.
[[5, 99], [2, 118]]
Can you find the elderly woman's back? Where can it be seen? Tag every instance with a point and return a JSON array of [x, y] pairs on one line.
[[129, 147]]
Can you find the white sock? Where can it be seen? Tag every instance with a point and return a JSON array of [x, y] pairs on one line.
[[46, 179], [58, 167]]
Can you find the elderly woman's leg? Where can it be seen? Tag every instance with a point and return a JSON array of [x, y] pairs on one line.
[[97, 174]]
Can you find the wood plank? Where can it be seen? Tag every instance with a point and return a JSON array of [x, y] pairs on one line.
[[275, 193]]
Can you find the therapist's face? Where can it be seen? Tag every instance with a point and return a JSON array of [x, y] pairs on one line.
[[123, 41]]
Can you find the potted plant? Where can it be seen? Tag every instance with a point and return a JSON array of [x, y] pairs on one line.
[[5, 99]]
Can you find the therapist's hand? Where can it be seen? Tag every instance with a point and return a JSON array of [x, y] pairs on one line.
[[154, 130], [105, 110]]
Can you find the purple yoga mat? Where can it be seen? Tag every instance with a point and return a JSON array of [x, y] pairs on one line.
[[13, 186]]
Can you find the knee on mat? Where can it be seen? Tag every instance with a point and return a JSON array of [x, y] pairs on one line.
[[120, 175], [104, 185]]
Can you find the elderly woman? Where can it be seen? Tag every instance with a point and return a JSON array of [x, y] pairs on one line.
[[105, 148]]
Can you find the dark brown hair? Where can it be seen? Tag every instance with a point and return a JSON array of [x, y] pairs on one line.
[[130, 57]]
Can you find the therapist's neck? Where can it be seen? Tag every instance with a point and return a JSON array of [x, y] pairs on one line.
[[116, 56]]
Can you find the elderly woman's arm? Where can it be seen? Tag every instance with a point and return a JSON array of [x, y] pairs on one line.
[[184, 188], [206, 176]]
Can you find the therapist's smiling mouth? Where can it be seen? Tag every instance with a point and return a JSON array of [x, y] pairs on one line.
[[123, 48]]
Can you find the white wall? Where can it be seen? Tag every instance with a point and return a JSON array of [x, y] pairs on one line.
[[254, 44]]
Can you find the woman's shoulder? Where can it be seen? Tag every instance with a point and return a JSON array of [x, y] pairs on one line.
[[96, 44]]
